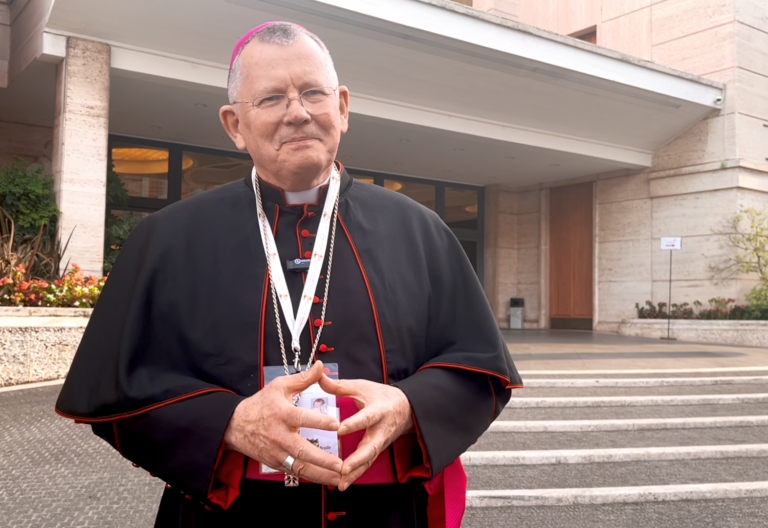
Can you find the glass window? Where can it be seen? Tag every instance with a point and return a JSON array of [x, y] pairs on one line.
[[420, 192], [461, 208], [118, 225], [201, 172], [143, 170]]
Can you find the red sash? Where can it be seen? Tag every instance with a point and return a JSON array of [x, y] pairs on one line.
[[447, 490]]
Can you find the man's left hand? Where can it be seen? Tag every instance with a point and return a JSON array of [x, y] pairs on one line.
[[385, 414]]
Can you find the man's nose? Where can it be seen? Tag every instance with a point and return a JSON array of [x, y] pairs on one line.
[[296, 111]]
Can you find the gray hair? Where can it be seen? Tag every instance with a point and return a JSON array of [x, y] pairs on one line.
[[283, 33]]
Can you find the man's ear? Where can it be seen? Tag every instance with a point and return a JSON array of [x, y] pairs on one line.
[[344, 108], [231, 123]]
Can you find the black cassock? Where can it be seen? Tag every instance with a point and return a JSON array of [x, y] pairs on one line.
[[185, 325]]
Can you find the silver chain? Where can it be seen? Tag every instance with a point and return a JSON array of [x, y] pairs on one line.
[[297, 353]]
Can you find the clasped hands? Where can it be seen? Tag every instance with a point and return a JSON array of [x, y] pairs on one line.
[[265, 426]]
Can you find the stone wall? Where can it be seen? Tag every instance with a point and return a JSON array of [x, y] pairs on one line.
[[38, 344], [513, 251], [29, 142], [635, 211], [742, 333]]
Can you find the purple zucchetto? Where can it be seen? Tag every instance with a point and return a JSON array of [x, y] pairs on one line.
[[248, 36]]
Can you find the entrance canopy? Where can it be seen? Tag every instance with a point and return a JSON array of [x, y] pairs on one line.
[[439, 90]]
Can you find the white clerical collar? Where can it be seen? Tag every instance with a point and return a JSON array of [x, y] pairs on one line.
[[304, 197]]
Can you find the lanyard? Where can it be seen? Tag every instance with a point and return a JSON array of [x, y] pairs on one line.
[[297, 322]]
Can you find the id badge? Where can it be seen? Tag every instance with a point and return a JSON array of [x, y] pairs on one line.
[[314, 399]]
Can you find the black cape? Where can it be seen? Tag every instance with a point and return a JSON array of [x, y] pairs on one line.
[[185, 325]]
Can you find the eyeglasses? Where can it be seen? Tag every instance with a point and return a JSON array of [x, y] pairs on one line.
[[314, 101]]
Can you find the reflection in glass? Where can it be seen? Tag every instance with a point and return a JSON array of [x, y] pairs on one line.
[[461, 208], [118, 225], [420, 192], [143, 170], [208, 171]]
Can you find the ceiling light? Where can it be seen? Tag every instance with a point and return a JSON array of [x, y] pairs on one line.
[[156, 127], [509, 157], [388, 184], [471, 208], [201, 105], [144, 161], [405, 140], [458, 150]]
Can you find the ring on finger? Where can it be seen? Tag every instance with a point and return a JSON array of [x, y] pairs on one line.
[[288, 464]]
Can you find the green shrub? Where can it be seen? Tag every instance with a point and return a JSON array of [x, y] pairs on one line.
[[116, 227], [26, 195]]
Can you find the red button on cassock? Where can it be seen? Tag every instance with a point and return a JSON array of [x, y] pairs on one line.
[[305, 233], [323, 348], [318, 323], [307, 254], [331, 516], [316, 299], [331, 487]]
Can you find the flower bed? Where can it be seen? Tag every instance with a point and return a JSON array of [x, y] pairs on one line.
[[719, 308], [73, 290]]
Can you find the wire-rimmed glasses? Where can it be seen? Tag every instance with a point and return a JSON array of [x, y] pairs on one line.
[[314, 100]]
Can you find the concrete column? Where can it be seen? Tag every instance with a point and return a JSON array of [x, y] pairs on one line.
[[5, 42], [80, 133], [544, 259]]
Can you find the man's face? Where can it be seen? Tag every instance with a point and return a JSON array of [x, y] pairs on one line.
[[292, 143]]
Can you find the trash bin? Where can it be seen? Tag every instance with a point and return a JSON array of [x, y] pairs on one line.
[[516, 313]]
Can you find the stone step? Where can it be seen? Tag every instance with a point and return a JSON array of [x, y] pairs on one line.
[[555, 392], [621, 454], [569, 496], [631, 401], [733, 513], [644, 382], [655, 373], [496, 441], [638, 412], [642, 424], [607, 474]]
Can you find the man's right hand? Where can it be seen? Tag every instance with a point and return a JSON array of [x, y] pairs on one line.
[[265, 427]]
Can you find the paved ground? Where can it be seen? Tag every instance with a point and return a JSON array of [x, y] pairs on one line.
[[57, 474]]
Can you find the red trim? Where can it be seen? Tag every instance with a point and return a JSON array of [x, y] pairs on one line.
[[264, 297], [298, 235], [473, 369], [143, 409], [117, 438], [408, 464], [324, 506], [227, 473], [370, 295], [493, 393]]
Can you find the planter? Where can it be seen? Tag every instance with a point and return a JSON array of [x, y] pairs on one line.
[[38, 344], [726, 332]]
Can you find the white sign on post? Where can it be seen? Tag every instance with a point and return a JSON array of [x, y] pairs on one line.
[[670, 243]]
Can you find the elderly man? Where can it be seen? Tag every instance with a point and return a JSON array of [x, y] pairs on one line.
[[184, 365]]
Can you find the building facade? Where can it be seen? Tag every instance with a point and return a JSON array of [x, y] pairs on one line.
[[559, 139]]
